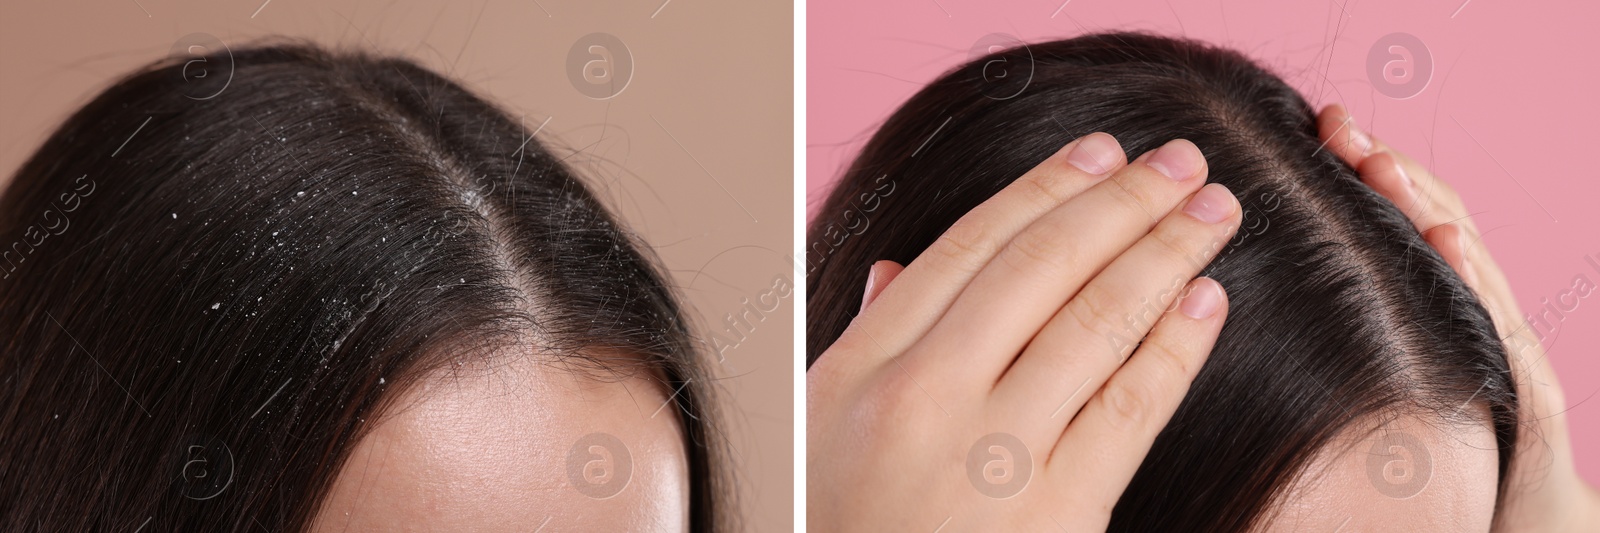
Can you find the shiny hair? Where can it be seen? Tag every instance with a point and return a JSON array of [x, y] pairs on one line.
[[245, 269], [1340, 309]]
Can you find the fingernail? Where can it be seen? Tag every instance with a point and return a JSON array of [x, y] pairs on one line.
[[872, 277], [1212, 204], [1179, 160], [1095, 153], [1203, 300]]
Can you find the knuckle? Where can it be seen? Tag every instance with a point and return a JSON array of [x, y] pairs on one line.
[[1178, 246], [880, 399], [1094, 310], [1171, 366], [1043, 249], [961, 247], [891, 398], [1052, 182], [1133, 398], [1127, 402], [1131, 196]]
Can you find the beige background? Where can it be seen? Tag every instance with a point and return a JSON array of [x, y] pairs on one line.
[[696, 152]]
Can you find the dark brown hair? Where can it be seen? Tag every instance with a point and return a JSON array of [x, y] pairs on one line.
[[1340, 309], [245, 267]]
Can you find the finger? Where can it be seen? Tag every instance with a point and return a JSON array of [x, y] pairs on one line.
[[1452, 242], [1340, 135], [878, 277], [1437, 199], [1386, 176], [1103, 446], [1044, 265], [1089, 338], [904, 311], [1390, 173]]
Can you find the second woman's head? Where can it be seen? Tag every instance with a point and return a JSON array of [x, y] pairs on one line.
[[1357, 381]]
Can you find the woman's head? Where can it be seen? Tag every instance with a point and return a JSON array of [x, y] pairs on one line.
[[342, 292], [1356, 375]]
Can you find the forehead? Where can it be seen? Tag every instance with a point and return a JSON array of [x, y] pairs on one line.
[[515, 447], [1411, 473]]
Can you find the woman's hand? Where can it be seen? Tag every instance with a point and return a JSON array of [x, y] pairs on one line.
[[1014, 375], [1546, 492]]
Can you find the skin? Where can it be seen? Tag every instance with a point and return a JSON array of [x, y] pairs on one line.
[[975, 335], [1546, 493], [485, 450], [1339, 492]]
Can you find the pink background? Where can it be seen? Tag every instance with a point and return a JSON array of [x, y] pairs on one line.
[[1508, 116]]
